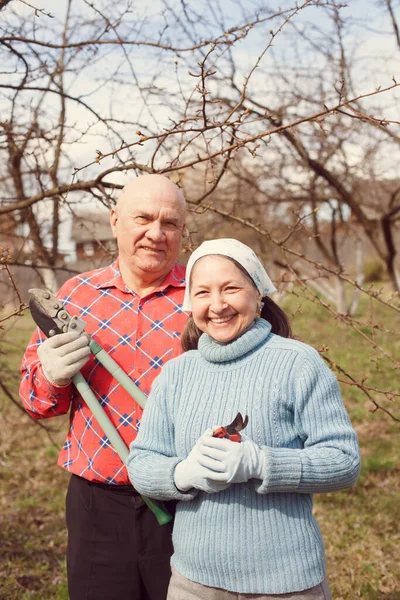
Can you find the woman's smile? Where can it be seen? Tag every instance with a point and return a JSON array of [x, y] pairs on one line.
[[222, 320]]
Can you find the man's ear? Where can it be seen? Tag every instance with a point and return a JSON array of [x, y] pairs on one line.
[[113, 221]]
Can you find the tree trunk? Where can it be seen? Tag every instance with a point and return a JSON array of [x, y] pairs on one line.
[[48, 279], [341, 305], [359, 256]]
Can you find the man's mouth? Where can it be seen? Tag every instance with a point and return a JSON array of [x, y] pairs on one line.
[[151, 249]]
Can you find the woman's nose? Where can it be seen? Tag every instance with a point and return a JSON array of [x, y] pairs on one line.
[[217, 303]]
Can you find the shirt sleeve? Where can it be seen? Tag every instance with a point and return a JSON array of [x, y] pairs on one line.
[[152, 458], [329, 459], [40, 398]]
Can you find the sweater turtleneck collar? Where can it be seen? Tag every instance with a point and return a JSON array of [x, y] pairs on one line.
[[250, 339]]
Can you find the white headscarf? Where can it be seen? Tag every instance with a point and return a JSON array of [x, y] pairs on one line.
[[239, 252]]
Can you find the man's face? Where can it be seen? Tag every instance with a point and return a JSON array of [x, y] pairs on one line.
[[148, 229]]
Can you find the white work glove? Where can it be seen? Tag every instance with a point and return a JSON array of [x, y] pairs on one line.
[[189, 473], [235, 462], [62, 356]]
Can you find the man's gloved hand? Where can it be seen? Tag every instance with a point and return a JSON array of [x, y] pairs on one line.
[[62, 356], [235, 462], [189, 473]]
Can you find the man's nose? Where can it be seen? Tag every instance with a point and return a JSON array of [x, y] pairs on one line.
[[155, 231]]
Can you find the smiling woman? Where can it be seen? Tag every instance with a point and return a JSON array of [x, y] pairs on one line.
[[298, 440]]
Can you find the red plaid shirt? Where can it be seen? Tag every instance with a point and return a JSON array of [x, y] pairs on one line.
[[141, 334]]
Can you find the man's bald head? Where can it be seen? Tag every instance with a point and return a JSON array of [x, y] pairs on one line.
[[148, 222], [152, 185]]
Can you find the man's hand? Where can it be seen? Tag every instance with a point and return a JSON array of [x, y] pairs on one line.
[[62, 356], [234, 462], [191, 474]]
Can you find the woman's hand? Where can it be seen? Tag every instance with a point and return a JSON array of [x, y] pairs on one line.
[[233, 462], [190, 473]]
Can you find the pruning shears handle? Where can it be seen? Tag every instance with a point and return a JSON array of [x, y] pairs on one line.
[[160, 512], [115, 370], [232, 431], [52, 319]]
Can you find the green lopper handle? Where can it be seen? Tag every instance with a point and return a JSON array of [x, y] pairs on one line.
[[117, 442], [118, 374], [160, 512]]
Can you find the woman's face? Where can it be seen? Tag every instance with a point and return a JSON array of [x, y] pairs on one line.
[[224, 301]]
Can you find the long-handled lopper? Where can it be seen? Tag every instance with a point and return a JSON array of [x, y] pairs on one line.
[[52, 318]]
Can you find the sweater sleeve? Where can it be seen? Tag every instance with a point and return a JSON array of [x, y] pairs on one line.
[[152, 458], [329, 459]]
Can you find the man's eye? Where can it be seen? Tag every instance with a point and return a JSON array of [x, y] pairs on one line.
[[200, 293]]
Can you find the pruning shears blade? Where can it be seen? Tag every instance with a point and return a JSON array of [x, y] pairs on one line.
[[237, 424], [44, 321], [49, 313], [232, 431]]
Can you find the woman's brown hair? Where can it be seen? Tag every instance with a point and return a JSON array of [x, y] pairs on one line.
[[270, 311]]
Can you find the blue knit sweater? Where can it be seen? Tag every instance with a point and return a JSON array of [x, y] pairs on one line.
[[260, 536]]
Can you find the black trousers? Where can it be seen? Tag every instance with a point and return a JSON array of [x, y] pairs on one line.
[[116, 549]]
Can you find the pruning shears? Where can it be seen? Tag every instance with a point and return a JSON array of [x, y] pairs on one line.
[[232, 431], [52, 318]]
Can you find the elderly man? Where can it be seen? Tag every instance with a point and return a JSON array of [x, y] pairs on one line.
[[133, 308]]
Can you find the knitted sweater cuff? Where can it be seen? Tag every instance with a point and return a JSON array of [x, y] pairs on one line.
[[160, 485], [282, 471]]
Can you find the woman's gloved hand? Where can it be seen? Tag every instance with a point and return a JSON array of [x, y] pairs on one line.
[[62, 356], [190, 473], [234, 462]]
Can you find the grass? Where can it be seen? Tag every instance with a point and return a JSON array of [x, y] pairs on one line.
[[33, 536], [359, 526]]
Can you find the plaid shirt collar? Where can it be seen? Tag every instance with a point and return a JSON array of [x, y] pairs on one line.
[[111, 277]]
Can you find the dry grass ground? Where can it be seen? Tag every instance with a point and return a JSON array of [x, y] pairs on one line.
[[360, 526]]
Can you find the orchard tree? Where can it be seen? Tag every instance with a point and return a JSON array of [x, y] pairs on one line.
[[271, 118]]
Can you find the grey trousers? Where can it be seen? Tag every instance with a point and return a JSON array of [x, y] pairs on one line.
[[181, 588]]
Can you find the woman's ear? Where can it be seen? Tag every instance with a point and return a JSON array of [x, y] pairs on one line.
[[260, 305]]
